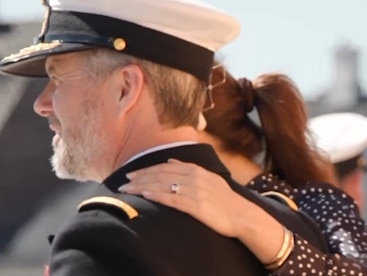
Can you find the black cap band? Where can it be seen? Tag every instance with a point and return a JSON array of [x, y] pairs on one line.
[[345, 167], [142, 42]]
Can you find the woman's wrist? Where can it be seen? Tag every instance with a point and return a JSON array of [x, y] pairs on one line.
[[260, 232], [284, 252]]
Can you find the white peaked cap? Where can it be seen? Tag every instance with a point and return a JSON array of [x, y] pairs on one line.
[[190, 20], [182, 34], [342, 136]]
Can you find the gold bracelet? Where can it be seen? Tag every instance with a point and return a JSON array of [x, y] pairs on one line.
[[284, 252]]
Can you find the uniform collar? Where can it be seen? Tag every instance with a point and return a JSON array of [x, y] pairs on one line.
[[200, 154], [158, 148]]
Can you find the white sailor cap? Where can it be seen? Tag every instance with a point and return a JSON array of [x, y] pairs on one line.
[[343, 136], [182, 34]]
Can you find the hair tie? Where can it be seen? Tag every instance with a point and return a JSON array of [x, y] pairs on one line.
[[248, 93]]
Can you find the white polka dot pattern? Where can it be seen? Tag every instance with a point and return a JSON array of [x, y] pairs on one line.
[[338, 218]]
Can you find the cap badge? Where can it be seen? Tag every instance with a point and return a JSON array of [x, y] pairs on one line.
[[119, 44]]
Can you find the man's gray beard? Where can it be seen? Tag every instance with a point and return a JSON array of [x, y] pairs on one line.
[[73, 157], [74, 161]]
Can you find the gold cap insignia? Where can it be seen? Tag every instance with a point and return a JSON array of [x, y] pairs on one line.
[[119, 44]]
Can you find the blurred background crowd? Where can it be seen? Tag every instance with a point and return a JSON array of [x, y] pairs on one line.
[[322, 45]]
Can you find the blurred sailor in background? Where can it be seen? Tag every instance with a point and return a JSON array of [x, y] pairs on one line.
[[343, 137]]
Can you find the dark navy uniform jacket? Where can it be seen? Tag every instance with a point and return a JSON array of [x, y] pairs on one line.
[[119, 234]]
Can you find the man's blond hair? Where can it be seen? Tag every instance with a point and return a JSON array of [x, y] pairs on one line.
[[179, 96]]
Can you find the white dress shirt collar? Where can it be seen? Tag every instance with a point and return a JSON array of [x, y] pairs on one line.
[[160, 147]]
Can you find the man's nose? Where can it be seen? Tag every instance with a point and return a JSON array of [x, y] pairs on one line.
[[43, 104]]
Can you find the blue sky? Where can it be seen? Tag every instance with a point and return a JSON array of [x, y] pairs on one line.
[[288, 36]]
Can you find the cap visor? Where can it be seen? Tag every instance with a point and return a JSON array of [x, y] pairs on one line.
[[30, 61]]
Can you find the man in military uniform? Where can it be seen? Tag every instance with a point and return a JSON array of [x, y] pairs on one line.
[[127, 82], [342, 136]]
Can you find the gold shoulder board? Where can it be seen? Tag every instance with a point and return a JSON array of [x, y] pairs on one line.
[[291, 204], [110, 201]]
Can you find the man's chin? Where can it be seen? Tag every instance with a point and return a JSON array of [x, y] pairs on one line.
[[58, 164], [67, 173], [64, 174]]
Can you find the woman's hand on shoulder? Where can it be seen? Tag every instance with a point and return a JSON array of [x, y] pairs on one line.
[[191, 189]]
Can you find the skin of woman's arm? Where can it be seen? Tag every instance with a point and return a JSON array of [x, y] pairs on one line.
[[240, 218]]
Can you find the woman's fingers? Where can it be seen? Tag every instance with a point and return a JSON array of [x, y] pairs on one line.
[[184, 204], [166, 187], [158, 176], [188, 177], [202, 194], [138, 189]]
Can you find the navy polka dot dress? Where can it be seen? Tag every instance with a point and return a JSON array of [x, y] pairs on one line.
[[339, 219]]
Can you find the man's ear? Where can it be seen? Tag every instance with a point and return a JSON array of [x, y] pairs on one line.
[[131, 84]]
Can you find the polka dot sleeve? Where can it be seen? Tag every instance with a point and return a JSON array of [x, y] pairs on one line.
[[338, 217], [307, 260]]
